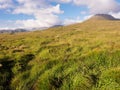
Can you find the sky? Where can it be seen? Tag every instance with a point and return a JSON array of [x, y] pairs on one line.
[[47, 13]]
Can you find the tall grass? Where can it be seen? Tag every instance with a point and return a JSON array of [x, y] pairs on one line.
[[78, 57]]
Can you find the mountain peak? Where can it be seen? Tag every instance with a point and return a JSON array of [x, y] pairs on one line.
[[103, 17]]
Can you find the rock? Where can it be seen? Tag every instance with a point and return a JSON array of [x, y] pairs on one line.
[[0, 65]]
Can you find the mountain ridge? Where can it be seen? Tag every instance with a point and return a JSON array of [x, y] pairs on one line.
[[103, 17], [12, 30]]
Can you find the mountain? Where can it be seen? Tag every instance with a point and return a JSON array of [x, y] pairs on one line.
[[44, 28], [12, 30], [103, 17], [100, 22]]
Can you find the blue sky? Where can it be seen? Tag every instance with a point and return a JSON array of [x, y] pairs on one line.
[[47, 13]]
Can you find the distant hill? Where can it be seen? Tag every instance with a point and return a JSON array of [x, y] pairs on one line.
[[12, 30], [44, 28]]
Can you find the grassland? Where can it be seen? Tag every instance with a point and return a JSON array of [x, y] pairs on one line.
[[82, 56]]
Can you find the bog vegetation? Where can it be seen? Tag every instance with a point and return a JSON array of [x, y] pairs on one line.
[[83, 56]]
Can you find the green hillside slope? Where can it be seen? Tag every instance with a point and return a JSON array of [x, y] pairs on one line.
[[82, 56]]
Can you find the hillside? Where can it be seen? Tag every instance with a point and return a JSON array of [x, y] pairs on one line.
[[83, 56]]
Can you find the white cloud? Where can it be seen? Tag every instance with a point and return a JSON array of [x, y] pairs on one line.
[[45, 21], [6, 4], [72, 21], [61, 1], [45, 15], [83, 12], [116, 15], [99, 6], [87, 17], [8, 24], [77, 20], [29, 6]]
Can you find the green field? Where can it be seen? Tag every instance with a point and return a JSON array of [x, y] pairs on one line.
[[82, 56]]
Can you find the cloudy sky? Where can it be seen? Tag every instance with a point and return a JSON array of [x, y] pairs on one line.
[[47, 13]]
